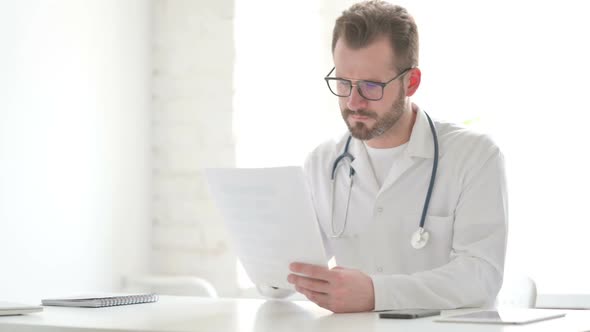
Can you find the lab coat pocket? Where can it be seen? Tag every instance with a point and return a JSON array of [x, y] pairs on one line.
[[438, 248]]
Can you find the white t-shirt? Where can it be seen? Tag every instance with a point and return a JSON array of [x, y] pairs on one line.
[[382, 160]]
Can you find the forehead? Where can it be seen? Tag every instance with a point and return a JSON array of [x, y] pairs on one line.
[[374, 61]]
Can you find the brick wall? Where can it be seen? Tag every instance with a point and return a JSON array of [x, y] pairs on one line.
[[193, 56]]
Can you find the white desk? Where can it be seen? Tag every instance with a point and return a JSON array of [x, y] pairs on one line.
[[218, 315]]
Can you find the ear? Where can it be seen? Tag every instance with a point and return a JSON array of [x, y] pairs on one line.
[[414, 77]]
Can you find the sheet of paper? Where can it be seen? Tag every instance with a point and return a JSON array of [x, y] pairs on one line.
[[270, 218]]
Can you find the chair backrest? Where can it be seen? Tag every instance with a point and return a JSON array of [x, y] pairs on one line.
[[517, 291], [170, 285]]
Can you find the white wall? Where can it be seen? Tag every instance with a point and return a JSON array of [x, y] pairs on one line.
[[74, 145]]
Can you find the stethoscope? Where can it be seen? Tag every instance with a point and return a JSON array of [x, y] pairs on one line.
[[420, 237]]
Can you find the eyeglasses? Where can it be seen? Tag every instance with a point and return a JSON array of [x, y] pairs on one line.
[[369, 90]]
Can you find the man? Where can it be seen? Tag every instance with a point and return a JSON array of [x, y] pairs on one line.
[[370, 221]]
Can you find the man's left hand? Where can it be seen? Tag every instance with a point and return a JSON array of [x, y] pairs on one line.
[[338, 289]]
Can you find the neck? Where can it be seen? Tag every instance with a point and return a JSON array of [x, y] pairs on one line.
[[399, 133]]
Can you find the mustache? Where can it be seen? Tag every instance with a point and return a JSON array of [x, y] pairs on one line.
[[366, 113]]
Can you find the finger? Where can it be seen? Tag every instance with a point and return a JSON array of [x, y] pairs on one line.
[[320, 299], [313, 271], [311, 284]]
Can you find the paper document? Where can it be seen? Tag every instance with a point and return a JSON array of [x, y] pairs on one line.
[[270, 218]]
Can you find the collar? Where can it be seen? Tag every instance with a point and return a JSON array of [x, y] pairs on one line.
[[421, 141], [419, 145]]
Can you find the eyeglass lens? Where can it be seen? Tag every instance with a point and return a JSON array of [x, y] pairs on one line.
[[368, 90]]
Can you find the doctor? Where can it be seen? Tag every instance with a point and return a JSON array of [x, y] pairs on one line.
[[415, 215]]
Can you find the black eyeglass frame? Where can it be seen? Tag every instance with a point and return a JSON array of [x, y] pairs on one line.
[[327, 78]]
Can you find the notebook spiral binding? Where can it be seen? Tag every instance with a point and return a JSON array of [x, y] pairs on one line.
[[102, 301], [129, 299]]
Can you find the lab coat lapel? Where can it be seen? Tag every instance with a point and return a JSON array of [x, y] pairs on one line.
[[399, 167], [365, 176], [419, 147]]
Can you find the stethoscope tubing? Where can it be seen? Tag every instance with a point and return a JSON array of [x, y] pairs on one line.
[[433, 174], [346, 154]]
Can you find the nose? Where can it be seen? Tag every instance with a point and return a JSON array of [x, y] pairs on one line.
[[355, 100]]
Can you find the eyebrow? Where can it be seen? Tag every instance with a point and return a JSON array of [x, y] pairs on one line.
[[361, 79]]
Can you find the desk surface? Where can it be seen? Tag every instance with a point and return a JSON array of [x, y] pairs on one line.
[[177, 314]]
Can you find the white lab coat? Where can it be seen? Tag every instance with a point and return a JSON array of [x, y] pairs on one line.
[[462, 264]]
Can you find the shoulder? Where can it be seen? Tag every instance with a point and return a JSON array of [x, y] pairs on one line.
[[468, 150], [462, 141], [328, 150], [319, 161]]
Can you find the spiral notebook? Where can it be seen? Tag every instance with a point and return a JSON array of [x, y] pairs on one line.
[[93, 301]]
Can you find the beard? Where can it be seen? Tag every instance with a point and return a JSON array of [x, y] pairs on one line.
[[360, 130]]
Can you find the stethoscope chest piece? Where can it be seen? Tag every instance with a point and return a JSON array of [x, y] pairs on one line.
[[420, 238]]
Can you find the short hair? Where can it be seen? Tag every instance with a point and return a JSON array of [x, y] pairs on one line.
[[367, 21]]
